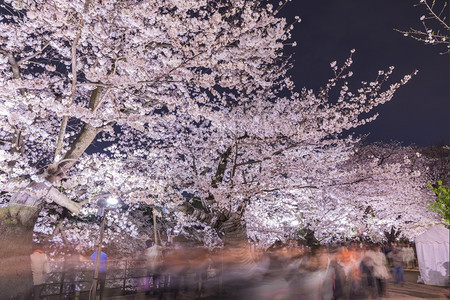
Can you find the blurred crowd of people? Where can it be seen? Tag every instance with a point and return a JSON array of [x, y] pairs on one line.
[[240, 271]]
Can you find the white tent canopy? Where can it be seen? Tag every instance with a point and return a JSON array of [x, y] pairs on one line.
[[433, 255]]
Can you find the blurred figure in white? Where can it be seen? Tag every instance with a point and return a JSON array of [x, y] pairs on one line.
[[39, 268], [153, 257], [325, 273], [408, 256], [380, 270]]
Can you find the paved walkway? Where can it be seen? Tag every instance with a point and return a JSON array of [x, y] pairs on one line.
[[413, 290], [410, 289]]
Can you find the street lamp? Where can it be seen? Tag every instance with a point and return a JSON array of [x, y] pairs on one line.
[[103, 204]]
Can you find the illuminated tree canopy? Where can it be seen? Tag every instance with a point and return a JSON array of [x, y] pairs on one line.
[[179, 104]]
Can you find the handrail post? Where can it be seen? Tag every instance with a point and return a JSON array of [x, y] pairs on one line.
[[97, 262], [125, 276], [154, 229], [62, 284]]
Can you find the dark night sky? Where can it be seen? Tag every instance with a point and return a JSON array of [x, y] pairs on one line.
[[419, 111]]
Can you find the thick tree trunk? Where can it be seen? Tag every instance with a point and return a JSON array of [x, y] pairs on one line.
[[16, 242], [17, 220], [232, 229]]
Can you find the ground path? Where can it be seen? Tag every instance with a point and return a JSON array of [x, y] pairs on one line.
[[410, 289], [413, 290]]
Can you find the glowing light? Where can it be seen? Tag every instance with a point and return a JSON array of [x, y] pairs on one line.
[[112, 201]]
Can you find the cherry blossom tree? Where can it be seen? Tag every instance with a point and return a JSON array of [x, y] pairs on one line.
[[396, 178], [363, 194], [382, 186], [262, 149], [73, 69], [179, 103]]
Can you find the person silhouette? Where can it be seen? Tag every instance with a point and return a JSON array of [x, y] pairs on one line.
[[39, 269]]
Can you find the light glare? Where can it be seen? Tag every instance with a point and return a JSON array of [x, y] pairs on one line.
[[112, 201]]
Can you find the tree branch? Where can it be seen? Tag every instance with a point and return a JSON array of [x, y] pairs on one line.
[[59, 143], [250, 162], [81, 143], [435, 16], [34, 55], [59, 198], [74, 51], [223, 161], [14, 66]]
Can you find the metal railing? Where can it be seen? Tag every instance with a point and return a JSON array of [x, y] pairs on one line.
[[123, 277]]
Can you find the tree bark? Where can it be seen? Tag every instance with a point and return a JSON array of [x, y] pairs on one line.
[[232, 229], [81, 143], [17, 220], [16, 244]]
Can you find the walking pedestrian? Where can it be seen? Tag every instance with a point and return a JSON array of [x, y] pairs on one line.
[[153, 257], [408, 256], [39, 268], [397, 261], [380, 270], [348, 273]]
